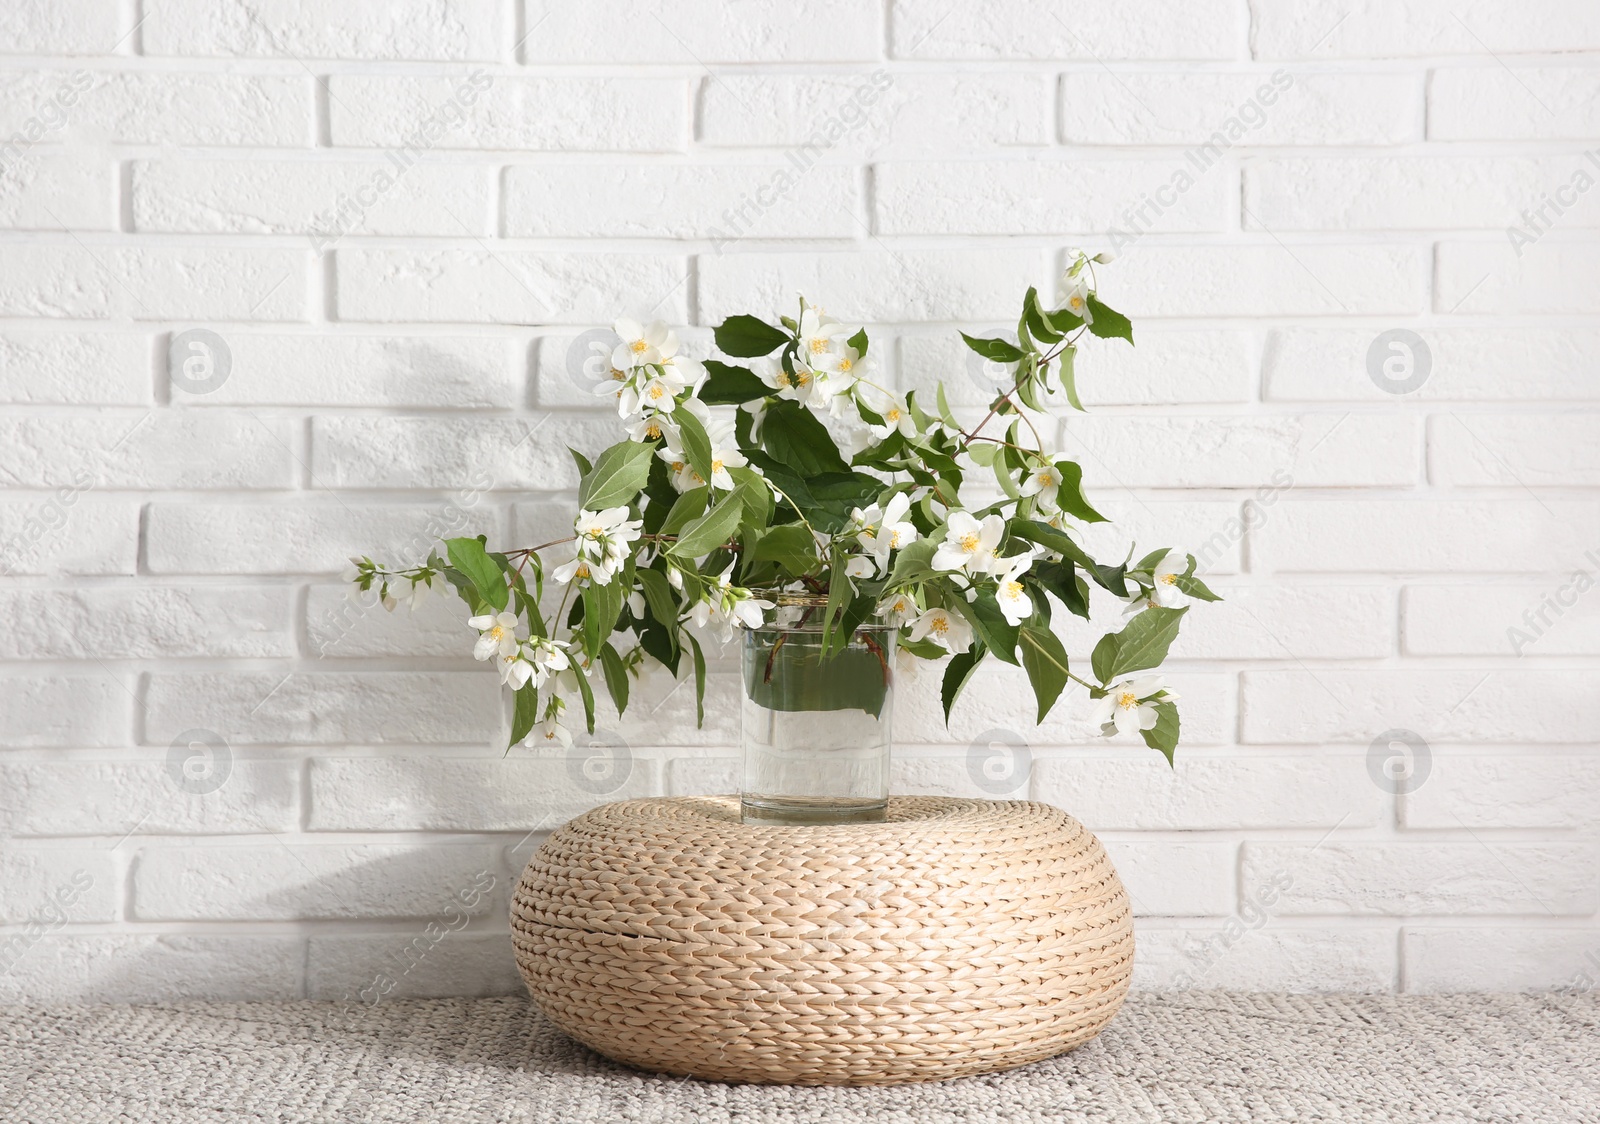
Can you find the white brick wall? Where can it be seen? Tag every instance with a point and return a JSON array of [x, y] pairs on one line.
[[219, 778]]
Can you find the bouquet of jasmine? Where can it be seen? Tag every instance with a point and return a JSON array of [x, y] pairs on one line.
[[791, 473]]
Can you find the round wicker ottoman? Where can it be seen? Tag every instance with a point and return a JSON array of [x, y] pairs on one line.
[[959, 937]]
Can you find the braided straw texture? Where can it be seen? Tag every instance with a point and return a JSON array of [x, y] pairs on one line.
[[959, 937]]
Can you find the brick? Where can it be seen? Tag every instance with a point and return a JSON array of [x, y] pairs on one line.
[[214, 283], [1315, 450], [120, 798], [1555, 618], [875, 285], [56, 885], [1195, 793], [68, 534], [149, 622], [309, 881], [876, 113], [1268, 280], [172, 968], [72, 27], [57, 281], [321, 199], [697, 32], [1409, 878], [921, 29], [1373, 29], [1331, 364], [1530, 103], [1438, 536], [39, 192], [1211, 530], [165, 108], [1059, 196], [467, 794], [75, 368], [157, 450], [508, 286], [362, 29], [519, 114], [326, 708], [1485, 277], [64, 710], [1500, 959], [337, 627], [1248, 955], [1407, 192], [1173, 879], [705, 776], [362, 452], [429, 963], [1441, 704], [1519, 450], [460, 372], [998, 698], [716, 201], [304, 538], [1515, 789], [1167, 368], [1290, 622], [1224, 111]]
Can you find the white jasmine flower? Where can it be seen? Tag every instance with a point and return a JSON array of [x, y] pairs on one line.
[[582, 569], [945, 629], [1044, 482], [1075, 297], [896, 418], [898, 609], [653, 427], [546, 732], [796, 387], [604, 536], [497, 635], [549, 658], [727, 604], [969, 545], [515, 671], [823, 339], [642, 346], [1014, 601], [1129, 705], [719, 425], [1164, 577], [886, 530]]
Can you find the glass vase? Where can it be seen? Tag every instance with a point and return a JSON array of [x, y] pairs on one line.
[[816, 728]]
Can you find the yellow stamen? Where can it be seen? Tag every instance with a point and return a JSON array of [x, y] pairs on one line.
[[969, 543], [639, 346], [1046, 479], [845, 365], [1013, 589], [1127, 700], [941, 625], [1169, 579]]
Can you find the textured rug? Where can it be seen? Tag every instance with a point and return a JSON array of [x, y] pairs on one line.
[[1200, 1057]]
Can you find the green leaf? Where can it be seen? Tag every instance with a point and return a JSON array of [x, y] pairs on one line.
[[474, 563], [1000, 351], [1164, 734], [956, 675], [787, 672], [699, 681], [1192, 585], [1104, 657], [1069, 376], [524, 713], [689, 506], [747, 337], [1045, 661], [1108, 577], [1033, 316], [727, 385], [616, 676], [998, 634], [620, 474], [913, 564], [602, 605], [1064, 321], [1144, 642], [1069, 496], [793, 435], [1108, 323], [587, 694], [696, 444], [790, 546], [658, 596], [859, 342], [711, 530], [581, 461]]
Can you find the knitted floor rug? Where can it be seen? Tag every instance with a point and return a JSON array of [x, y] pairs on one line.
[[1194, 1057]]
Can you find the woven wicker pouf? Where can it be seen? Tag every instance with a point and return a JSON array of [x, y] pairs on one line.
[[958, 937]]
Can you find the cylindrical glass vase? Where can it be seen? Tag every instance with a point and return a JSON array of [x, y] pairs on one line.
[[816, 728]]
